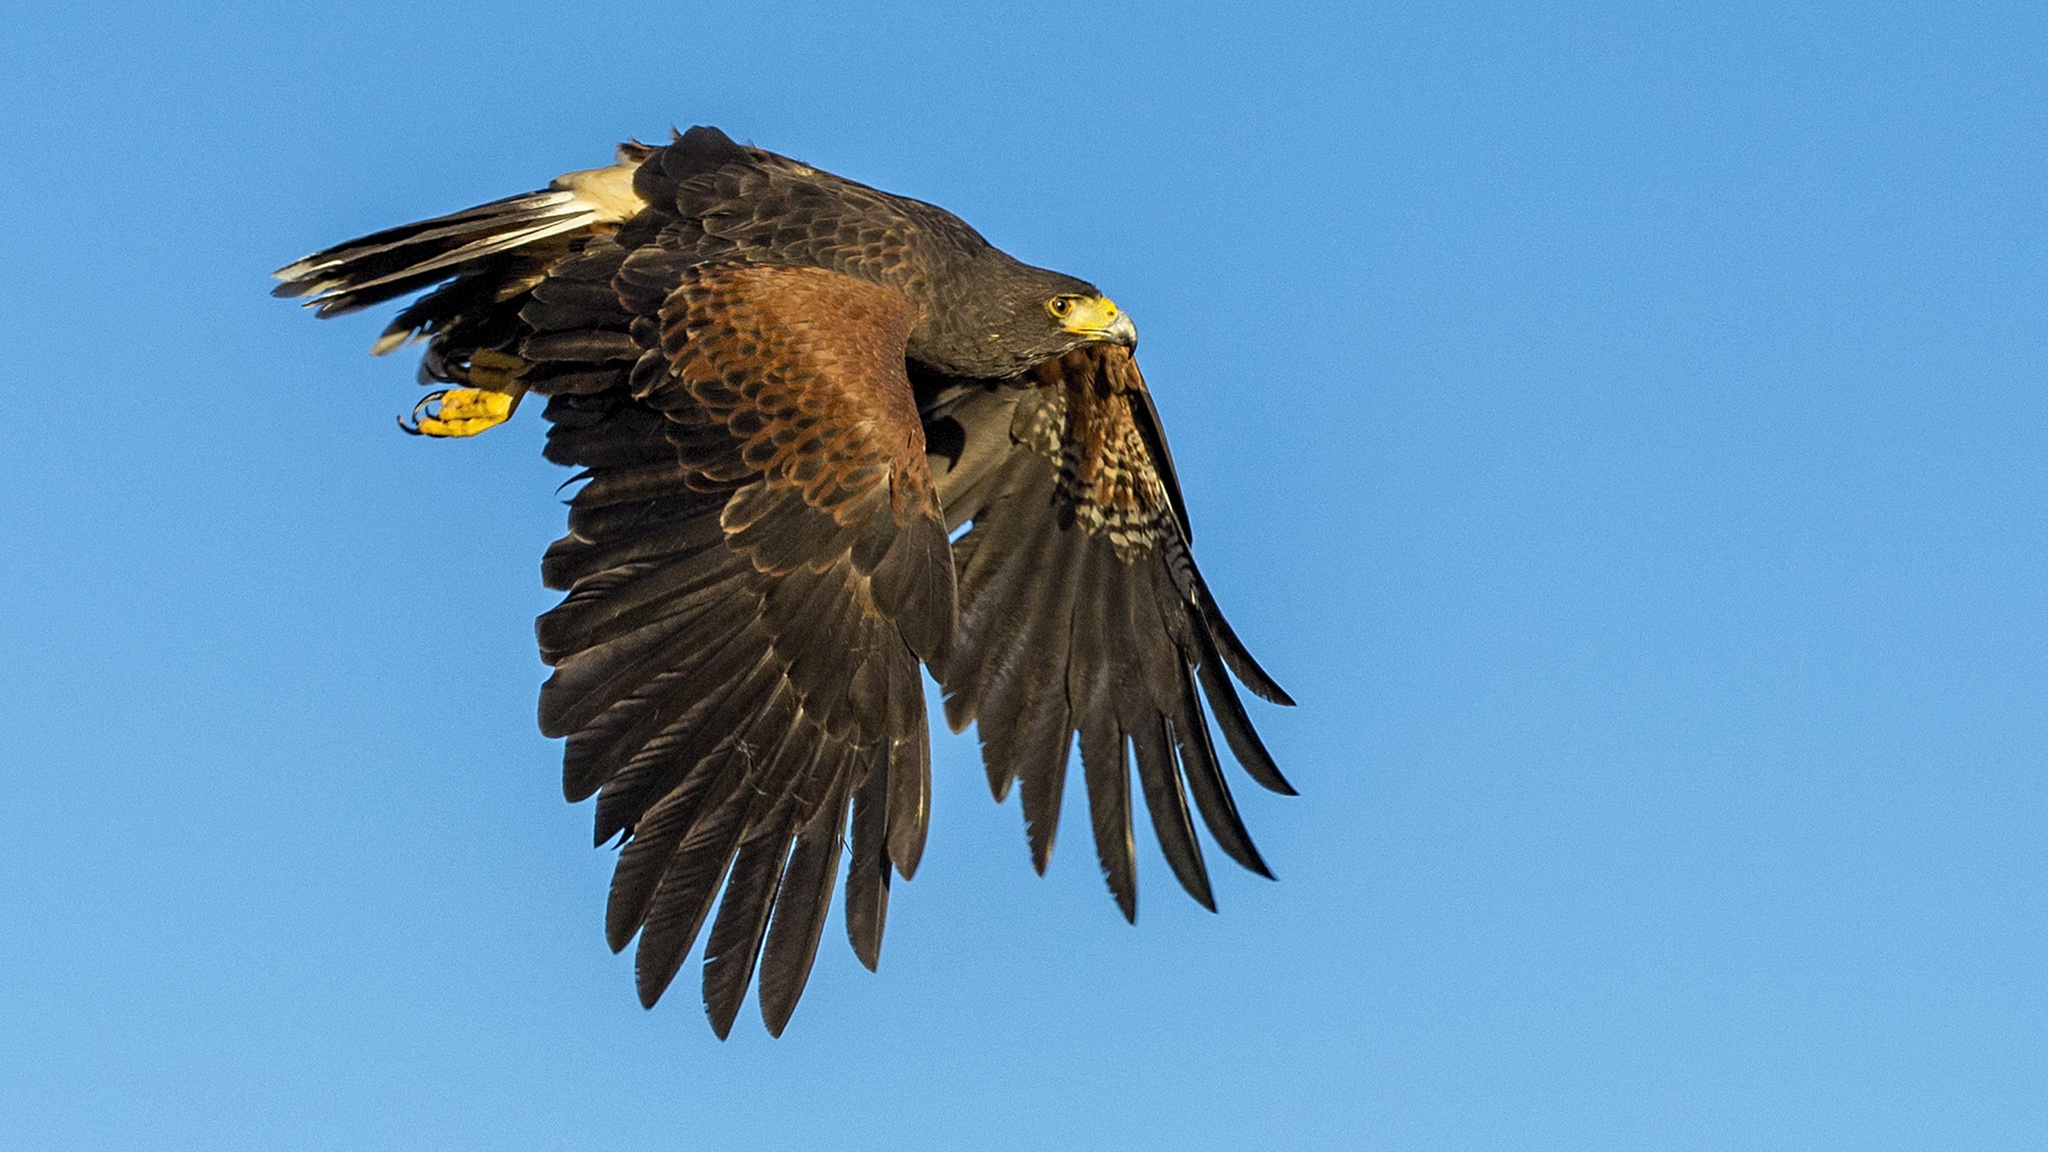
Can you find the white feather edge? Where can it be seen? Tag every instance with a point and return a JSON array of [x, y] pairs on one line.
[[573, 200]]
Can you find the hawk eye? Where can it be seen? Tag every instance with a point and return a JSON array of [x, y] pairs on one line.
[[1059, 306]]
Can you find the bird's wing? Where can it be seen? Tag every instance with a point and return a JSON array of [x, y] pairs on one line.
[[754, 569], [1082, 613]]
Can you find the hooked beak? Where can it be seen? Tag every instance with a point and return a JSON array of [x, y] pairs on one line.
[[1122, 331]]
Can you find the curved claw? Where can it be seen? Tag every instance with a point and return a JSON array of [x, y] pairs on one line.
[[413, 428]]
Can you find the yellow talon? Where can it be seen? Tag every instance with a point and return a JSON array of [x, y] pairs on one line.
[[461, 412]]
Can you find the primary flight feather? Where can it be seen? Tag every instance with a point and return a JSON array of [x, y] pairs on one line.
[[786, 392]]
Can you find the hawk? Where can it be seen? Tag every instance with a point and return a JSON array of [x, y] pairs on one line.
[[824, 435]]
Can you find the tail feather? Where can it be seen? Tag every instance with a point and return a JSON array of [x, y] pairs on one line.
[[396, 261]]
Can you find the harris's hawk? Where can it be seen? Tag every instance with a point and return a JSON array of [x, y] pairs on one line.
[[786, 394]]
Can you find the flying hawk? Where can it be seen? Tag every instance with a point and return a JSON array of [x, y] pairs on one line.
[[787, 393]]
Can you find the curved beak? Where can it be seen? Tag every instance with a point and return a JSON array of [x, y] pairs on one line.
[[1122, 331]]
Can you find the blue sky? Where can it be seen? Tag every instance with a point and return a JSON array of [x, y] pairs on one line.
[[1623, 428]]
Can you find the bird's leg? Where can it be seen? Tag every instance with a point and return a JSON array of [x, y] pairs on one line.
[[491, 401]]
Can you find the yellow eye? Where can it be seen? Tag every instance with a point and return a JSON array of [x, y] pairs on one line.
[[1059, 306]]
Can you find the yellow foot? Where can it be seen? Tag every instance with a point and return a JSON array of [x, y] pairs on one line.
[[460, 412]]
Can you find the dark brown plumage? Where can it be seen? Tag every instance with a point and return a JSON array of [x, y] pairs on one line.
[[784, 391]]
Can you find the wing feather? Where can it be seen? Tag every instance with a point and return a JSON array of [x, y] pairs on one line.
[[803, 902], [735, 943], [867, 873]]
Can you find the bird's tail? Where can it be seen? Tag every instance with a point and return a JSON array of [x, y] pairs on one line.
[[397, 261]]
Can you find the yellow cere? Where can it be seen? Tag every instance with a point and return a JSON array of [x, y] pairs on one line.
[[1084, 315]]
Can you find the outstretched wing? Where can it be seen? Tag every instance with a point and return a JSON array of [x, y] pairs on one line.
[[755, 564], [754, 568], [1082, 613]]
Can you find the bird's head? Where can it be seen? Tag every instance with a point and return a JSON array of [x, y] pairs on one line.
[[1016, 316]]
